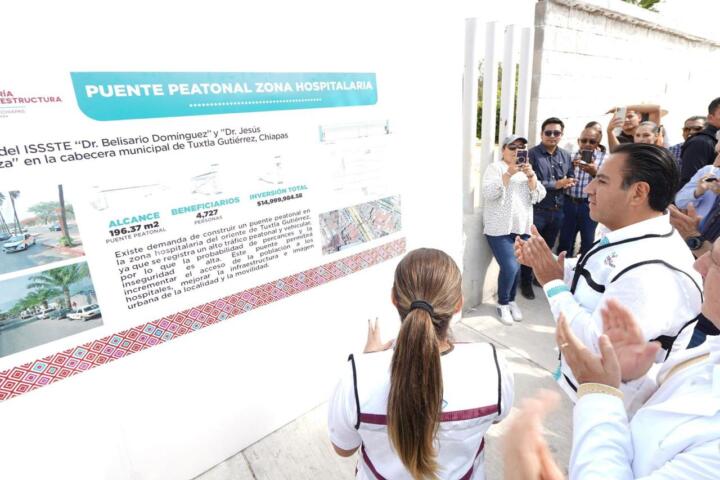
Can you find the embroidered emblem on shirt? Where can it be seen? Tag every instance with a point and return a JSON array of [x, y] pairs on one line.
[[610, 259]]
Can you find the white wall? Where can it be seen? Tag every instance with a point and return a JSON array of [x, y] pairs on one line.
[[597, 54], [175, 410]]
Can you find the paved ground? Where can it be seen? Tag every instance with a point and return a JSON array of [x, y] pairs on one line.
[[301, 450], [43, 252], [27, 334]]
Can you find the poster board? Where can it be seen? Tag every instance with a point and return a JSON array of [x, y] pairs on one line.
[[233, 274]]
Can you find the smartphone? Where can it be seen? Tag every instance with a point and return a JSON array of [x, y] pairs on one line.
[[621, 112], [586, 156], [521, 157]]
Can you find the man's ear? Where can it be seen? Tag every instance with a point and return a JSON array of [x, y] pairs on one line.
[[640, 194]]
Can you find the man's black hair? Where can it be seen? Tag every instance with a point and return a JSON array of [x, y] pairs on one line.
[[552, 120], [653, 165], [714, 105]]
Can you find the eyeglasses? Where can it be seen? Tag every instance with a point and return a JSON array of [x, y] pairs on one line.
[[552, 133], [590, 141], [515, 147], [692, 129]]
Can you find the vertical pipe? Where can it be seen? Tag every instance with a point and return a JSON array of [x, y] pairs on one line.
[[490, 81], [522, 125], [507, 100], [470, 97]]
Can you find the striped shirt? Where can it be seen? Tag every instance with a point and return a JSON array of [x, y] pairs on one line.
[[676, 151], [583, 178]]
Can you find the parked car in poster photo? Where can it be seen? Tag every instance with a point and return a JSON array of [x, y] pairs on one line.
[[85, 313], [18, 243], [45, 314], [55, 227], [59, 313]]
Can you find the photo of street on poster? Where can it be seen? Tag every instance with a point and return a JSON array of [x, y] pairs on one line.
[[37, 227], [46, 306]]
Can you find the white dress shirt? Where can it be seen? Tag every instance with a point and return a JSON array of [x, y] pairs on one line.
[[663, 299]]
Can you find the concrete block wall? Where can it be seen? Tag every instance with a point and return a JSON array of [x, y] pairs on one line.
[[592, 55]]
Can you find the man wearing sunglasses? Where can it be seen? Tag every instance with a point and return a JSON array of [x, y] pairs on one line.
[[554, 170], [692, 126], [576, 213], [699, 150]]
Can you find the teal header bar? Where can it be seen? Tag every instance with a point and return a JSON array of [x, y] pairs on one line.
[[131, 95]]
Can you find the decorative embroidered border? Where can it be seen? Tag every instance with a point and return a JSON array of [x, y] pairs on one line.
[[30, 376]]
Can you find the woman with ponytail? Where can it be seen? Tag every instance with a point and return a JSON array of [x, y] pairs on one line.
[[419, 407]]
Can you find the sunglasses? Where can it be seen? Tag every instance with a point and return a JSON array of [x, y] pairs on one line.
[[590, 141], [552, 133], [515, 147], [692, 129]]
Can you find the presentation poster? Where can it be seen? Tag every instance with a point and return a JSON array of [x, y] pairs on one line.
[[136, 207]]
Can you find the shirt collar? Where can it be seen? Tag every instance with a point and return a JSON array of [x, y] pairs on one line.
[[545, 151], [657, 225]]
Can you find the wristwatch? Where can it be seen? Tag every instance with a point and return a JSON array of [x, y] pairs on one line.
[[694, 243]]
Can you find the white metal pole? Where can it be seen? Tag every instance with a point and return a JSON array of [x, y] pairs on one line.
[[490, 81], [470, 107], [507, 100], [522, 124]]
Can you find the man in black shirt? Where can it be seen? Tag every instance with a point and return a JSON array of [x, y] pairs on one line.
[[699, 150], [554, 169]]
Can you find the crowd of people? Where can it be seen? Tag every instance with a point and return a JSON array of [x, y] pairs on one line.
[[637, 311]]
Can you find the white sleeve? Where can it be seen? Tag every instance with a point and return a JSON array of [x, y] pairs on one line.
[[602, 444], [492, 184], [342, 412], [538, 194], [603, 448]]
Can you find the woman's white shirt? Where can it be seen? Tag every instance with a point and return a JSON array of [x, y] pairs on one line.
[[477, 391], [508, 209]]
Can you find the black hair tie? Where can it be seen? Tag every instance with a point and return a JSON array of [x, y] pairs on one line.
[[422, 305]]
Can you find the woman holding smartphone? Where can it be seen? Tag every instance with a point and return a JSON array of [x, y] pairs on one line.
[[509, 189]]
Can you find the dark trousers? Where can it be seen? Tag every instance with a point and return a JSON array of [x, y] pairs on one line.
[[576, 218], [504, 253], [548, 223]]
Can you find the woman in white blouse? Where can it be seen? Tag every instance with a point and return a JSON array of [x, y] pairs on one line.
[[510, 189]]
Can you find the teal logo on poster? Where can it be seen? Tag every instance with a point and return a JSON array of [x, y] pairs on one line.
[[130, 95]]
